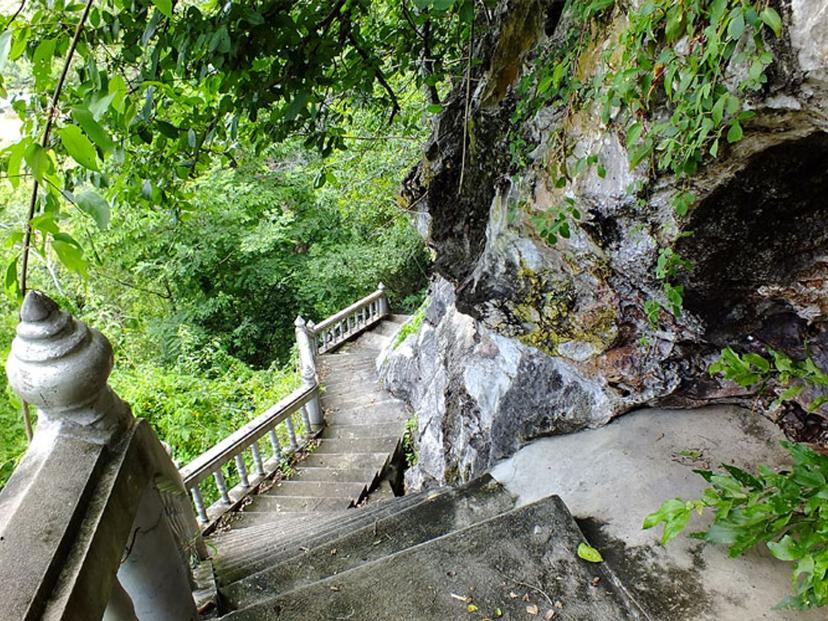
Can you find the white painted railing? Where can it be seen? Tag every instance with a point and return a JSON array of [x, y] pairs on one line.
[[231, 456], [279, 425], [349, 322]]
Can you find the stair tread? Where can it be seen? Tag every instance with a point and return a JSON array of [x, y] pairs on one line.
[[317, 489], [232, 564], [406, 527], [535, 544]]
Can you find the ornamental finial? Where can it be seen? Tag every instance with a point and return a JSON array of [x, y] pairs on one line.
[[61, 366]]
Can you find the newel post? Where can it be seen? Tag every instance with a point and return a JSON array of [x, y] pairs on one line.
[[383, 301], [307, 367], [62, 366]]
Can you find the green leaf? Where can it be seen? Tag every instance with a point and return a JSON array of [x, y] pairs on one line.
[[12, 284], [38, 160], [118, 91], [70, 255], [736, 27], [588, 553], [93, 129], [734, 134], [434, 108], [16, 154], [786, 549], [42, 62], [5, 47], [93, 204], [165, 6], [772, 20], [79, 146]]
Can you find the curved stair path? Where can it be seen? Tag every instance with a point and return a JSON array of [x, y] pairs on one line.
[[362, 432]]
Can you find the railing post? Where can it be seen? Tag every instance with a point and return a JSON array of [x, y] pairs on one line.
[[307, 367], [62, 366], [382, 303]]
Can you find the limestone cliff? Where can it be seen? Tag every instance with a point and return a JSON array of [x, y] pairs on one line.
[[525, 338]]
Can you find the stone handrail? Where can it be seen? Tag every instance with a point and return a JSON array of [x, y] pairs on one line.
[[92, 520], [246, 438], [347, 323]]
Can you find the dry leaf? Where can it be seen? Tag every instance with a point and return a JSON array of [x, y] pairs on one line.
[[558, 603], [333, 551], [532, 609], [549, 614], [525, 597], [335, 588], [513, 595], [461, 598]]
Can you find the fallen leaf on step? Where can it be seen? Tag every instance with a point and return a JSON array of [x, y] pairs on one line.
[[471, 608], [558, 603], [532, 609], [513, 595], [525, 597], [333, 551], [588, 553], [596, 580], [461, 598], [335, 588], [498, 613], [549, 614]]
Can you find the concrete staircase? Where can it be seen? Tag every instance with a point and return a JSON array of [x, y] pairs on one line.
[[333, 543]]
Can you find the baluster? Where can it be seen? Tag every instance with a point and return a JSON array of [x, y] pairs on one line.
[[242, 471], [291, 433], [218, 475], [198, 501], [306, 422], [275, 447], [257, 458]]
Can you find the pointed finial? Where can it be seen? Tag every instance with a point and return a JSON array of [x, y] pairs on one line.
[[381, 287], [299, 321], [61, 366]]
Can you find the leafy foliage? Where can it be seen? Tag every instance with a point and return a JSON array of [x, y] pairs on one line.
[[778, 371], [787, 510]]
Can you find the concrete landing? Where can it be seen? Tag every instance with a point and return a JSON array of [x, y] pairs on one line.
[[611, 478]]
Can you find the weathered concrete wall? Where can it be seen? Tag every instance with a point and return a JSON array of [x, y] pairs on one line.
[[525, 339]]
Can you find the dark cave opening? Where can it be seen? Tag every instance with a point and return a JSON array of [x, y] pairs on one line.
[[759, 247]]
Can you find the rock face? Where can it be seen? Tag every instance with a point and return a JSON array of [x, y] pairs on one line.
[[524, 338]]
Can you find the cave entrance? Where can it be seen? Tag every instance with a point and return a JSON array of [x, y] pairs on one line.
[[760, 248]]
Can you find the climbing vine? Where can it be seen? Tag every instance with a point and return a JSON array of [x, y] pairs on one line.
[[674, 81]]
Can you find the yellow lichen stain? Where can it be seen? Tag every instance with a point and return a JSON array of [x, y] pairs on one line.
[[550, 312]]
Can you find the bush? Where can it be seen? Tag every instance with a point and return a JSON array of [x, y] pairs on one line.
[[786, 510]]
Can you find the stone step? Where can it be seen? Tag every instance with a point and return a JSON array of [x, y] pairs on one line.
[[335, 475], [368, 416], [233, 564], [350, 377], [403, 529], [360, 400], [486, 563], [296, 504], [387, 328], [397, 318], [376, 430], [361, 445], [347, 362], [273, 529], [319, 489], [347, 461], [346, 391]]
